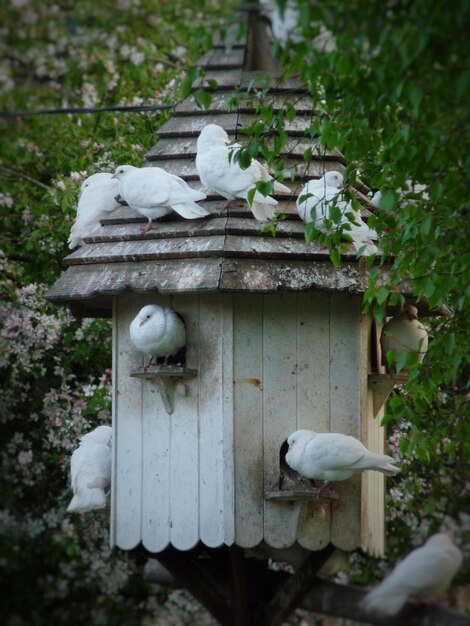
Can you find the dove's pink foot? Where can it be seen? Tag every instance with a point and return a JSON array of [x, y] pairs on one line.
[[227, 204], [324, 488], [146, 228]]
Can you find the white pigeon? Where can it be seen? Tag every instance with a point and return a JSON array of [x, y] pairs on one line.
[[218, 171], [158, 331], [154, 193], [97, 196], [90, 469], [324, 193], [333, 456], [404, 333], [424, 574], [286, 28]]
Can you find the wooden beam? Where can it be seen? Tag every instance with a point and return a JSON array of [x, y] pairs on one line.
[[242, 615], [293, 589], [184, 566], [343, 601]]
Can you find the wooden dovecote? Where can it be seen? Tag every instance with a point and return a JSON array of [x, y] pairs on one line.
[[276, 341]]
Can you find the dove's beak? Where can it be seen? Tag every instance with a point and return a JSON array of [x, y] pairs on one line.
[[114, 176]]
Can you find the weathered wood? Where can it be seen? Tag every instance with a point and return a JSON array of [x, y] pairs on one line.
[[298, 170], [248, 418], [148, 250], [192, 126], [345, 411], [382, 385], [294, 495], [213, 359], [185, 465], [154, 450], [218, 59], [225, 79], [279, 409], [185, 147], [246, 103], [313, 401], [127, 432], [195, 578], [293, 589], [344, 601]]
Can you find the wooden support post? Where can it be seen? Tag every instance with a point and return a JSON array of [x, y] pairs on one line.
[[185, 568], [242, 616], [293, 589]]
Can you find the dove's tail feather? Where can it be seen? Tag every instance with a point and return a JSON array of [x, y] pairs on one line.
[[87, 501], [262, 211], [279, 187], [388, 469], [384, 601], [190, 210]]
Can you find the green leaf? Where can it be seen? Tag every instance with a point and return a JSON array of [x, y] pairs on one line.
[[203, 99], [382, 294], [251, 195]]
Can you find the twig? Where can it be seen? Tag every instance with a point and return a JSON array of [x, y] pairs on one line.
[[21, 175]]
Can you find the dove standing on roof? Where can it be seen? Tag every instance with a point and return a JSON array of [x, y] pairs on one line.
[[158, 331], [404, 333], [424, 574], [90, 469], [332, 456], [322, 195], [218, 171], [99, 194], [154, 193]]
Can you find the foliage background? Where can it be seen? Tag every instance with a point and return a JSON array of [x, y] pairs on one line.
[[392, 97]]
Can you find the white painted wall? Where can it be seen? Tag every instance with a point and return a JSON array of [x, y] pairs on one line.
[[267, 365]]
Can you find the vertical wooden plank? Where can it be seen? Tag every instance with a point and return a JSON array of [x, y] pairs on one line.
[[345, 409], [373, 488], [155, 460], [212, 310], [228, 423], [279, 408], [184, 438], [248, 418], [373, 437], [127, 425], [313, 401]]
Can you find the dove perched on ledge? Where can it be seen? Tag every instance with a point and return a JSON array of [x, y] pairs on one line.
[[158, 331], [90, 469], [424, 574], [97, 196], [333, 456], [404, 333], [219, 172], [154, 193], [323, 194]]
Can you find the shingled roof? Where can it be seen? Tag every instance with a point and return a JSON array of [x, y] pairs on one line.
[[226, 251]]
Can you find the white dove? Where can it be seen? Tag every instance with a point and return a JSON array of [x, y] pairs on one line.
[[333, 456], [404, 333], [323, 194], [424, 574], [153, 192], [218, 171], [97, 196], [157, 331], [90, 469]]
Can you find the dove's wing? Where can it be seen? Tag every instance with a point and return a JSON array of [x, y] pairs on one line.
[[333, 451], [146, 187]]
